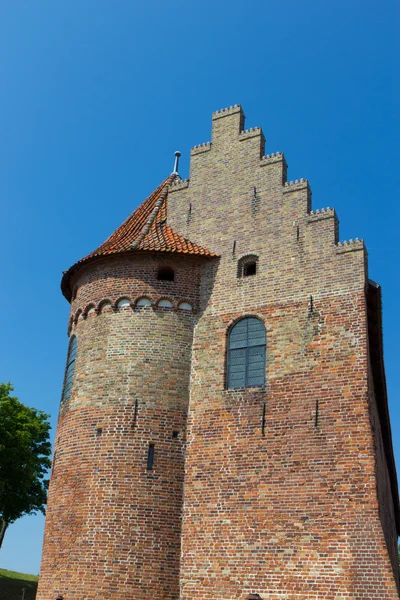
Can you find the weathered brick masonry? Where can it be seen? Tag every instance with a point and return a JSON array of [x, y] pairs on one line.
[[287, 490]]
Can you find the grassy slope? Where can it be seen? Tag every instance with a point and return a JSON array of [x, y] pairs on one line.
[[11, 585]]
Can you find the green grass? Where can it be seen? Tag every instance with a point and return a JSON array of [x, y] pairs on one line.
[[12, 584]]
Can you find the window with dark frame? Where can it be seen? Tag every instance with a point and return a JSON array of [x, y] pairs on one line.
[[246, 357], [70, 368]]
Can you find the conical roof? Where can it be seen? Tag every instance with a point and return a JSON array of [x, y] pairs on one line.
[[145, 229]]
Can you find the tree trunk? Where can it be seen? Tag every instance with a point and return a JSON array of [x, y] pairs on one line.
[[3, 527]]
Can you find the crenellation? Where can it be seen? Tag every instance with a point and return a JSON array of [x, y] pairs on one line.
[[321, 213], [250, 133], [257, 135], [271, 158], [200, 148], [350, 246], [227, 126], [226, 112], [322, 227], [297, 184]]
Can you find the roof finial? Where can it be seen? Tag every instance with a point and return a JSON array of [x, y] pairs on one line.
[[177, 155]]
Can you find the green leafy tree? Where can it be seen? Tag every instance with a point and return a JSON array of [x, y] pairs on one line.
[[24, 459]]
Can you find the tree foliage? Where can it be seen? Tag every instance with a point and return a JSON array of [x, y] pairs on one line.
[[24, 458]]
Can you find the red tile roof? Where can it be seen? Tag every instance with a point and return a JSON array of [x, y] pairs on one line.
[[145, 229]]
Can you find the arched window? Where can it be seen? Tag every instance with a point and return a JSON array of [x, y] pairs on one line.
[[69, 371], [165, 304], [124, 302], [166, 274], [185, 306], [143, 302], [246, 354]]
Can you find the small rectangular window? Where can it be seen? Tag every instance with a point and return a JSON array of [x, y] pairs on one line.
[[150, 457]]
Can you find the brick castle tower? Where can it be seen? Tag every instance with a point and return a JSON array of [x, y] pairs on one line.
[[224, 430]]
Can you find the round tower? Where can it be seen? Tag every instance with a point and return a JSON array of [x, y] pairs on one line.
[[113, 521]]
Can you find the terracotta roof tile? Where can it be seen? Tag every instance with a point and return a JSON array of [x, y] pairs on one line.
[[145, 229]]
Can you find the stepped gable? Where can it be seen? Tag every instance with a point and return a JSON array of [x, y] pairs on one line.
[[145, 229]]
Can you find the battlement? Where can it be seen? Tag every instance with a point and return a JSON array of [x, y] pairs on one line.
[[350, 246], [227, 125], [226, 112], [251, 133], [269, 159], [321, 213], [200, 148], [234, 149], [294, 186]]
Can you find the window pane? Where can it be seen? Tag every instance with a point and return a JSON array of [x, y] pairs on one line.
[[165, 304], [185, 306], [256, 366], [256, 332], [143, 302], [70, 369], [246, 353], [238, 335], [72, 350], [237, 368], [72, 356]]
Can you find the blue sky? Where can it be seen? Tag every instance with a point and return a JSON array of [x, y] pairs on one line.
[[97, 96]]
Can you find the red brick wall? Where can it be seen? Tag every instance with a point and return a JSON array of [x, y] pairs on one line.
[[293, 513]]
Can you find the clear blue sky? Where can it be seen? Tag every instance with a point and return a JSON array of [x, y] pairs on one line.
[[95, 98]]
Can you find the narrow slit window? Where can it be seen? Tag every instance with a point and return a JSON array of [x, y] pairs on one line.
[[70, 369], [150, 457]]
